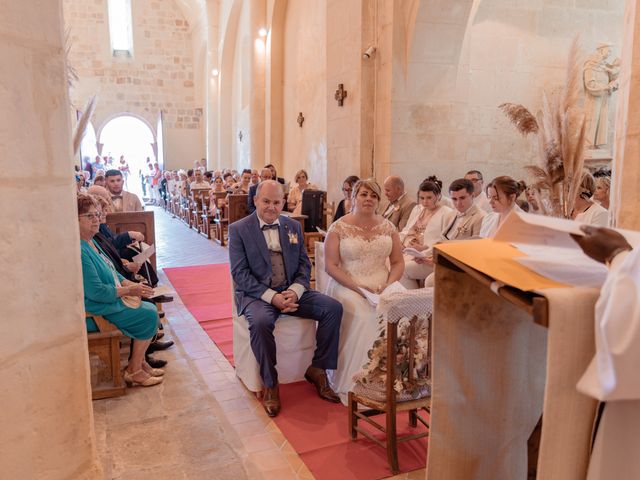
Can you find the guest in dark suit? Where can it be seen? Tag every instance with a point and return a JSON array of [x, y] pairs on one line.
[[274, 174], [265, 174], [271, 270]]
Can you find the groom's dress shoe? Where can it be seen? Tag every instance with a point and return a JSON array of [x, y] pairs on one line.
[[271, 400], [318, 377]]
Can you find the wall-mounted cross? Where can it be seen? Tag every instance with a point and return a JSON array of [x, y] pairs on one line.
[[300, 119], [340, 95], [240, 135]]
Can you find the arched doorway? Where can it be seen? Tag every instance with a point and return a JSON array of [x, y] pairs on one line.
[[129, 136]]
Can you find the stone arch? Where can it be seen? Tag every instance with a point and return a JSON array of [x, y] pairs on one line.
[[113, 116]]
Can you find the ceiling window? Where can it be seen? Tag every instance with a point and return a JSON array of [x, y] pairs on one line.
[[121, 27]]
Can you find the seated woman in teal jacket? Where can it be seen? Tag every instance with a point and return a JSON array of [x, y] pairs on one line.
[[103, 292]]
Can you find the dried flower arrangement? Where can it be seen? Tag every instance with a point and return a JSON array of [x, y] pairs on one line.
[[560, 127], [374, 372]]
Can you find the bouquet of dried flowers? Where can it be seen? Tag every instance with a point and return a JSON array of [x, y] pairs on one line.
[[374, 372]]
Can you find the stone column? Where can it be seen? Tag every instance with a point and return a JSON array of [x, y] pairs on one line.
[[45, 396], [257, 20], [212, 85], [626, 166]]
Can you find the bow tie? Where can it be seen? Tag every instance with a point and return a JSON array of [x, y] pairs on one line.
[[115, 197], [268, 227]]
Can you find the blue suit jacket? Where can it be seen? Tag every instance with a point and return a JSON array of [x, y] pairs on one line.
[[251, 261]]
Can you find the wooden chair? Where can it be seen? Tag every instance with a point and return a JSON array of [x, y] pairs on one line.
[[142, 222], [387, 402], [105, 344]]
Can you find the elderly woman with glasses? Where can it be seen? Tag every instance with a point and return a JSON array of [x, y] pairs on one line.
[[109, 294]]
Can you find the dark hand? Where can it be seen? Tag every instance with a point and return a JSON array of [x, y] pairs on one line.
[[600, 243]]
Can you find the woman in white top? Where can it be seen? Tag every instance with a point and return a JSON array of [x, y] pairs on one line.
[[424, 228], [294, 200], [502, 193], [586, 210]]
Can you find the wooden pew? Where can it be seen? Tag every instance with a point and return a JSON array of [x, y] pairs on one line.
[[105, 344], [142, 222]]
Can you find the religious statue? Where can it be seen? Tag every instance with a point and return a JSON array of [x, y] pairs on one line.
[[600, 81]]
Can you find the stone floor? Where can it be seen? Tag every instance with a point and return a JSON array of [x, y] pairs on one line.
[[201, 423]]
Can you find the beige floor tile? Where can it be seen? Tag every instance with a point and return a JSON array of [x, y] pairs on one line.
[[259, 443], [280, 474], [207, 366], [252, 427], [269, 460]]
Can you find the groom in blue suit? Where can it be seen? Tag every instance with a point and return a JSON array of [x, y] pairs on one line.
[[270, 269]]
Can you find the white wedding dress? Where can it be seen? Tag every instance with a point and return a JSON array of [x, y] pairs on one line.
[[363, 255]]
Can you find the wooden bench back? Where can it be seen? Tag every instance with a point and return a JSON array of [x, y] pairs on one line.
[[200, 197], [142, 222], [219, 195], [238, 207]]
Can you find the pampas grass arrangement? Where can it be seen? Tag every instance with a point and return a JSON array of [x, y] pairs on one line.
[[560, 128], [82, 124]]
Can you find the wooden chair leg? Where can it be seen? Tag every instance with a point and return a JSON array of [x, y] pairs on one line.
[[413, 418], [353, 420], [392, 443], [115, 362]]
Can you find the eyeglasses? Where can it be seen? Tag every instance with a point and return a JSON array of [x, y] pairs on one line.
[[347, 190], [92, 216], [475, 180]]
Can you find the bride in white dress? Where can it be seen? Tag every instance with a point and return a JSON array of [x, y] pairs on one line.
[[362, 249]]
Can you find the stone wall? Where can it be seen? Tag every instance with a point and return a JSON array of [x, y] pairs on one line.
[[45, 397], [159, 76], [465, 61], [305, 90]]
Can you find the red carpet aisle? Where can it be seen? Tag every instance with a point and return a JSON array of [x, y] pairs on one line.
[[206, 292], [317, 430]]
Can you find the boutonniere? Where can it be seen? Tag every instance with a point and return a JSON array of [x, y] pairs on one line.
[[293, 236]]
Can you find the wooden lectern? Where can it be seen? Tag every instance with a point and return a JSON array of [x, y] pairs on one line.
[[505, 365]]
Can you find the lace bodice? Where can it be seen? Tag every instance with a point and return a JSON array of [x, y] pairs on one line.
[[364, 253]]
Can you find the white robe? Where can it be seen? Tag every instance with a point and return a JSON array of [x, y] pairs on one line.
[[613, 374]]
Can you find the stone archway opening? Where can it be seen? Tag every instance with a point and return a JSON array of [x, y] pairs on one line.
[[129, 136]]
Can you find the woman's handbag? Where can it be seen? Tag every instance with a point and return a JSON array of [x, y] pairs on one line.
[[131, 301]]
